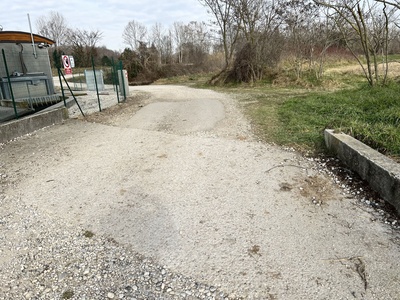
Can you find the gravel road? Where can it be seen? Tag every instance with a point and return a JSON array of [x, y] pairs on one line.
[[171, 196]]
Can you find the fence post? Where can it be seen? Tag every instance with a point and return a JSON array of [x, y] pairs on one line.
[[122, 78], [70, 90], [115, 77], [61, 86], [95, 82], [9, 84]]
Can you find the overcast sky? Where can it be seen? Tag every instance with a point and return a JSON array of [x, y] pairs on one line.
[[108, 16]]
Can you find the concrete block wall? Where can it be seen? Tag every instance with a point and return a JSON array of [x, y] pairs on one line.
[[381, 172], [20, 127]]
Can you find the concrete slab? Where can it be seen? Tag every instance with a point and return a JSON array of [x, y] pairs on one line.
[[381, 172], [16, 128]]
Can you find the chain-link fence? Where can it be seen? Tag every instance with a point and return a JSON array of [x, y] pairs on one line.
[[28, 84], [93, 89]]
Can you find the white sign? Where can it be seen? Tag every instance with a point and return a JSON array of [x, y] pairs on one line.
[[72, 61]]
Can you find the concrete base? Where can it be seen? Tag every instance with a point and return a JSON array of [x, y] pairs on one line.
[[381, 172], [16, 128]]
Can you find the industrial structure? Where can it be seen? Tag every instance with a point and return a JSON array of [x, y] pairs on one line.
[[26, 81]]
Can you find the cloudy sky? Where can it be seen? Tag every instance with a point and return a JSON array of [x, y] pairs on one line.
[[108, 16]]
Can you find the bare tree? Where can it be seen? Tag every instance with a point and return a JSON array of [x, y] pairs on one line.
[[134, 33], [322, 35], [83, 44], [260, 36], [192, 41], [249, 31], [54, 27], [227, 23], [157, 35], [365, 28], [394, 3], [198, 43], [393, 30], [179, 38], [162, 39], [298, 26], [167, 42]]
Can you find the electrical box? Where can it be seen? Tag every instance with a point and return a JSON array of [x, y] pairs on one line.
[[123, 82], [91, 82]]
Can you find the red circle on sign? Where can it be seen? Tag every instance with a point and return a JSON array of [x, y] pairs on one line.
[[66, 61]]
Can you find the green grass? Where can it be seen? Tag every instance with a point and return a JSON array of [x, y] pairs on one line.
[[372, 115], [394, 57]]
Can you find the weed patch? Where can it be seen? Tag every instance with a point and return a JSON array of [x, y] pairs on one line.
[[88, 234], [67, 294]]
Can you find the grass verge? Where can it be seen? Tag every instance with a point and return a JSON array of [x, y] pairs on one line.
[[370, 114]]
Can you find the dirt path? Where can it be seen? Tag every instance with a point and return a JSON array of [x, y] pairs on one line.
[[183, 181]]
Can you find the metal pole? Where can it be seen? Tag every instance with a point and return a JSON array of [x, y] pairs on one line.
[[95, 81], [33, 41], [61, 85], [76, 101], [115, 78], [122, 80], [80, 80], [30, 104], [10, 85], [114, 82]]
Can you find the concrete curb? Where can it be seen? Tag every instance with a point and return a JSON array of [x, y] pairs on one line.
[[381, 172], [16, 128]]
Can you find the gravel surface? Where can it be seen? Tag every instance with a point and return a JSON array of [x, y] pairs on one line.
[[171, 196]]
